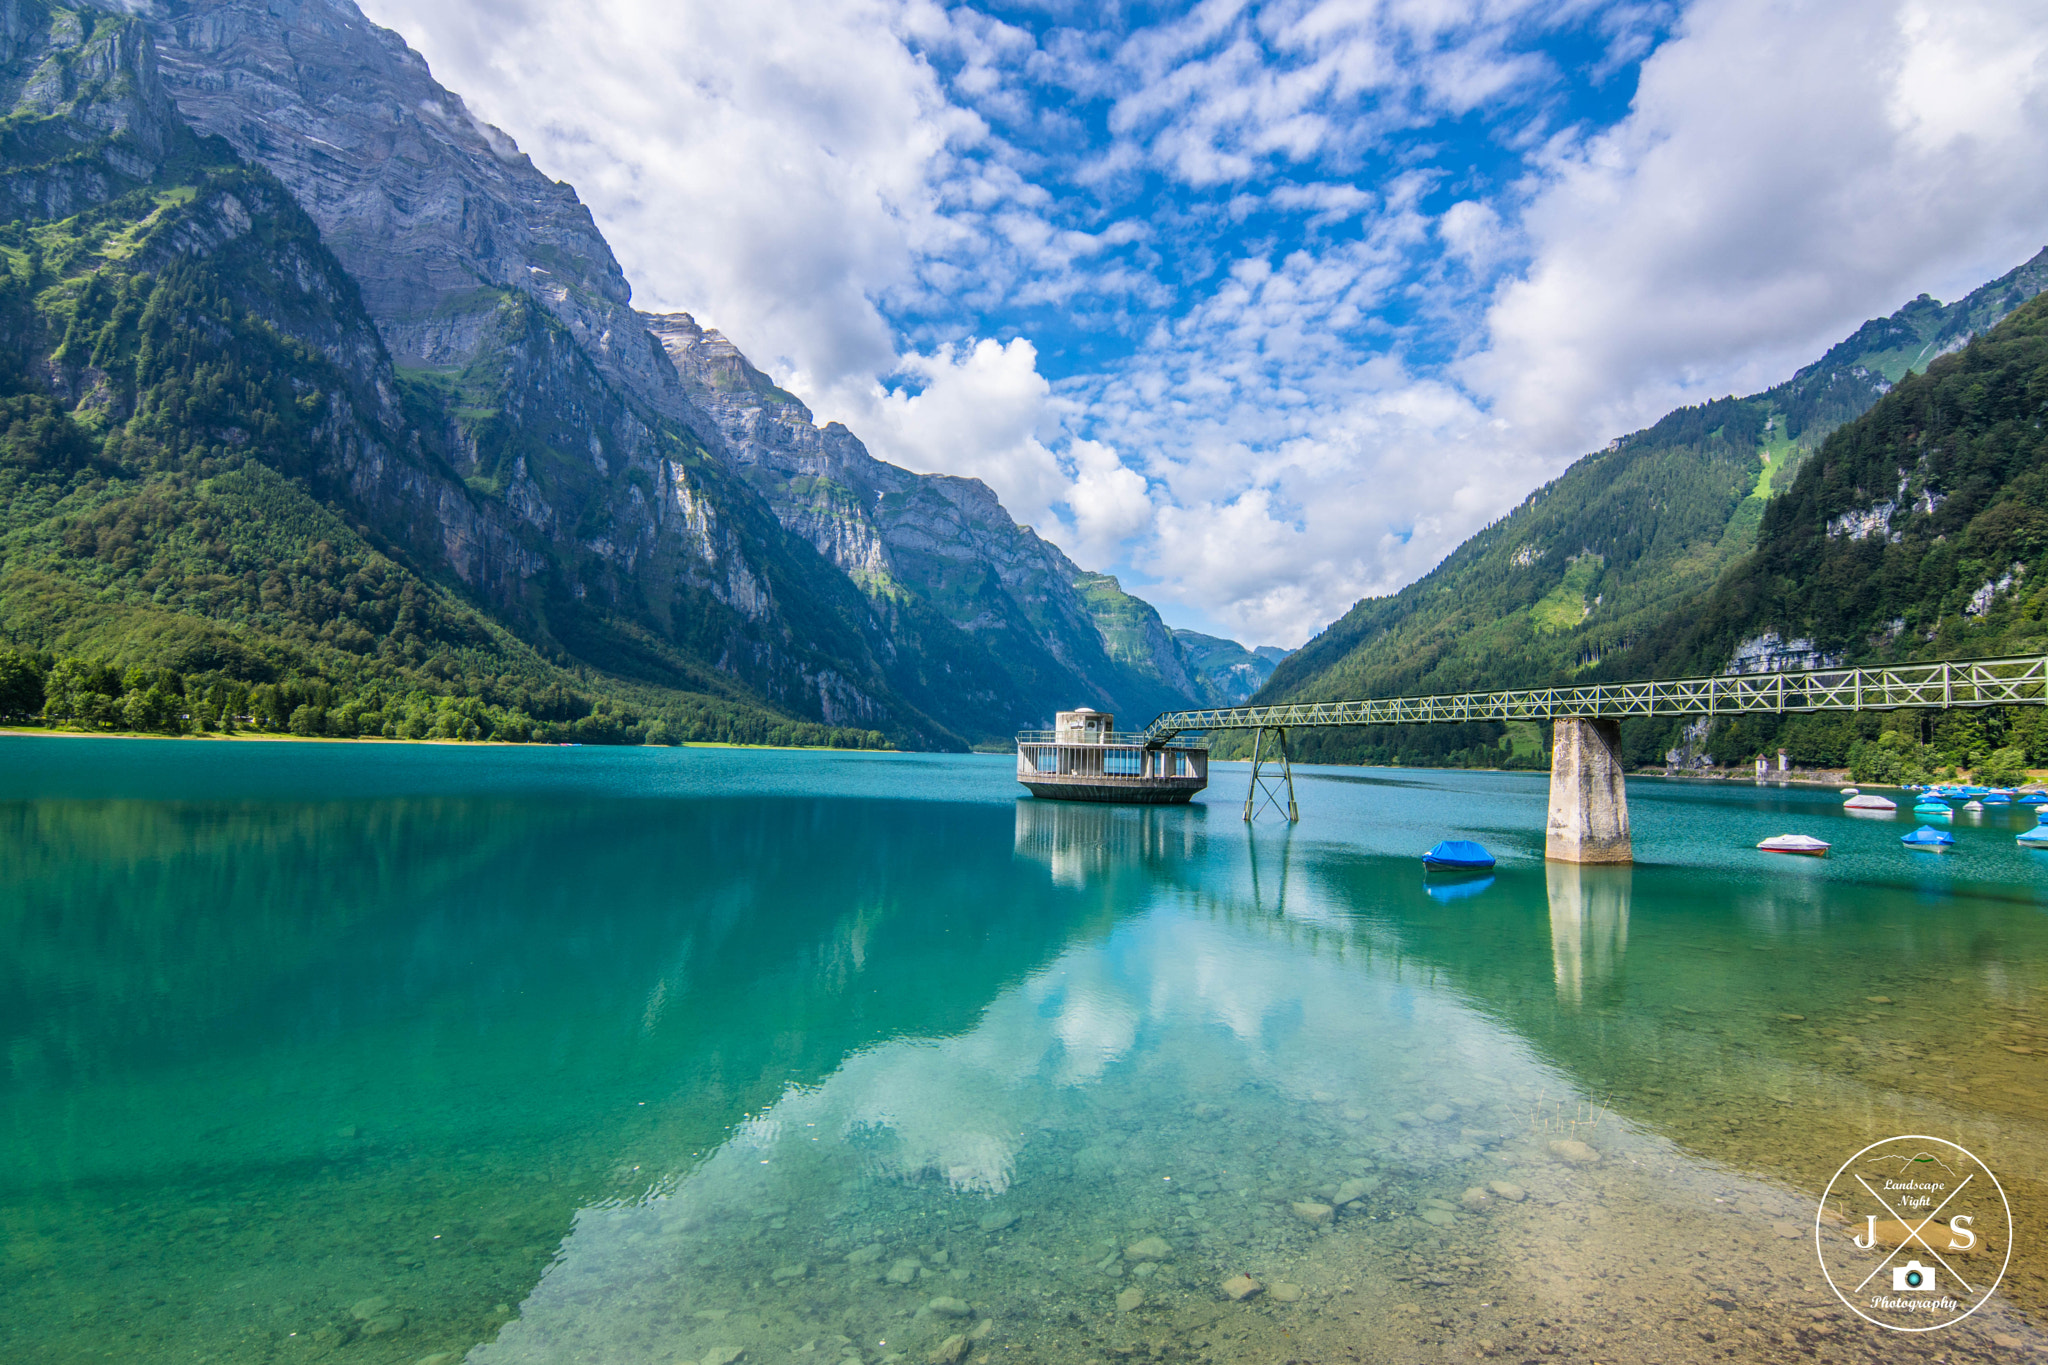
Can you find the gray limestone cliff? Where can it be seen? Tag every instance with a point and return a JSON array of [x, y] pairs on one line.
[[1065, 636]]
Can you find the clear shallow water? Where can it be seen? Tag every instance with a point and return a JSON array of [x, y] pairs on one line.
[[374, 1053]]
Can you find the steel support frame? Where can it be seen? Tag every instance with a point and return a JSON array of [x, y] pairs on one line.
[[1265, 791]]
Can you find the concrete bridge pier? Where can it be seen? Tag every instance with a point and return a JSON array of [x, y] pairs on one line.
[[1588, 804]]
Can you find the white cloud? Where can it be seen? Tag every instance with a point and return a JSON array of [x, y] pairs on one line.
[[863, 192], [1785, 172]]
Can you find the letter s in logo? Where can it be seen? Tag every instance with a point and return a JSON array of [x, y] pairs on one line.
[[1959, 1226]]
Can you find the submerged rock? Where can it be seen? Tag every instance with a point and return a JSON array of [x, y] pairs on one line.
[[1130, 1299], [1240, 1287], [947, 1307], [1574, 1151], [996, 1222], [1280, 1291], [362, 1310], [1149, 1249], [722, 1355], [1508, 1190], [949, 1351], [905, 1270], [1311, 1213]]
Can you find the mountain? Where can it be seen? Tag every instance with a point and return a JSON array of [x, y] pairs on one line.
[[1918, 531], [1602, 558], [950, 574], [1229, 673], [212, 468], [621, 499]]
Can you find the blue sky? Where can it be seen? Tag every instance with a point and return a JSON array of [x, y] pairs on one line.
[[1266, 307]]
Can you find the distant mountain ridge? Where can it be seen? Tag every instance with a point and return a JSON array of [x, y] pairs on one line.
[[1597, 561], [623, 493]]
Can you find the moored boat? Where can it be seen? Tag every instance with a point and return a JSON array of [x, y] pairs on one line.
[[1796, 843], [1461, 855], [2037, 837], [1083, 758], [1867, 801], [1929, 838]]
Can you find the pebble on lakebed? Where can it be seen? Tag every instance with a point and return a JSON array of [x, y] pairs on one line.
[[1131, 1298], [947, 1307], [1312, 1213], [1574, 1151]]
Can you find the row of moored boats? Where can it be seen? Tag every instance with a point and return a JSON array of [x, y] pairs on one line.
[[1930, 803]]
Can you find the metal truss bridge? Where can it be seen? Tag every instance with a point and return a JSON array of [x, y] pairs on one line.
[[1961, 683]]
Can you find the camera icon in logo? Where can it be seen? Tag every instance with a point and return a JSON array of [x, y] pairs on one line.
[[1912, 1277]]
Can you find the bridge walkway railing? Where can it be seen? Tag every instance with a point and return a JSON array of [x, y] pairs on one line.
[[1959, 683]]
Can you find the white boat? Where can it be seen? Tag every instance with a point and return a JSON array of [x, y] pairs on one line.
[[1860, 801], [1796, 843]]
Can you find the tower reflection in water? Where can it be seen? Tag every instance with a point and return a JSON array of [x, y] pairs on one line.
[[1588, 925], [1078, 840]]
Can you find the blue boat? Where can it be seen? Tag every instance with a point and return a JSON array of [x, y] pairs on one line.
[[1995, 799], [1927, 837], [1934, 811], [2037, 837], [1458, 853], [2033, 798]]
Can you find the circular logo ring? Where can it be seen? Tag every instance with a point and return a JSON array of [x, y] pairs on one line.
[[1919, 1200]]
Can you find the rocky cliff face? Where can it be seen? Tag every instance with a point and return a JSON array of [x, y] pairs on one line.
[[631, 489], [1063, 636], [88, 118], [430, 209]]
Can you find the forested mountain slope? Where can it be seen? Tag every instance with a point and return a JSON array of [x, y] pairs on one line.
[[1919, 531], [1602, 558]]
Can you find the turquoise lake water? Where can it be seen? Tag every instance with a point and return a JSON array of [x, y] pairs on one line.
[[391, 1053]]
